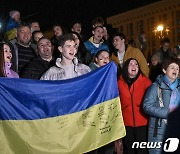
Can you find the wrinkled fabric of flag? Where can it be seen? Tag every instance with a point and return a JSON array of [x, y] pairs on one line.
[[60, 117]]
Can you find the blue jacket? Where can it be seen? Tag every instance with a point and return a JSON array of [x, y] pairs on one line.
[[93, 49], [11, 24], [158, 115]]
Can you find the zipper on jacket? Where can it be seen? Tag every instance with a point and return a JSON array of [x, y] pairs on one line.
[[132, 105]]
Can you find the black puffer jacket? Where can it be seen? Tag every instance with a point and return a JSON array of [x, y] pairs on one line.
[[35, 68]]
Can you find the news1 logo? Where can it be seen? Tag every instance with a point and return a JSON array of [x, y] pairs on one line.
[[171, 144]]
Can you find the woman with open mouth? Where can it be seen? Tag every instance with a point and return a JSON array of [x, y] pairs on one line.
[[5, 61], [162, 98], [132, 87]]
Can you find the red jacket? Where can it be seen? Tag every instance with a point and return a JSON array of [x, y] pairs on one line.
[[131, 101]]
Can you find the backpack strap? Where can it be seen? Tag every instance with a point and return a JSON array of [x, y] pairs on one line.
[[160, 97], [161, 104]]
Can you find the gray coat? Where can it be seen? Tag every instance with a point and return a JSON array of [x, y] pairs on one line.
[[58, 73], [158, 115]]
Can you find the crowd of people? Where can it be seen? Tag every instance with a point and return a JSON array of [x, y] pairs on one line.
[[148, 93]]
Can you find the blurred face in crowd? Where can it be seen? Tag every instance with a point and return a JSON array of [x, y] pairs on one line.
[[68, 50], [7, 53], [176, 50], [37, 36], [24, 35], [165, 46], [76, 28], [133, 69], [57, 31], [45, 49], [35, 26], [102, 59], [118, 42], [172, 71], [76, 40], [17, 17], [98, 34], [154, 61]]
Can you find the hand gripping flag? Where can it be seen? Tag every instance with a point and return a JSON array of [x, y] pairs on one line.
[[58, 117]]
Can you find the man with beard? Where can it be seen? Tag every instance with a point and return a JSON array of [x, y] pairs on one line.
[[38, 65]]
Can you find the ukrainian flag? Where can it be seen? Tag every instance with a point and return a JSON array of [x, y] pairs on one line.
[[58, 117]]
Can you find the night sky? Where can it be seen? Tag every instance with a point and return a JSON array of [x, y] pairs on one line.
[[48, 12]]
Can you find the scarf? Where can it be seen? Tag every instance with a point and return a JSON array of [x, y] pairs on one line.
[[175, 95]]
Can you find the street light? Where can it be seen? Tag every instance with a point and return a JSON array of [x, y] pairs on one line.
[[161, 32], [160, 28]]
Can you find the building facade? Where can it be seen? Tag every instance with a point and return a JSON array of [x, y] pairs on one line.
[[146, 19]]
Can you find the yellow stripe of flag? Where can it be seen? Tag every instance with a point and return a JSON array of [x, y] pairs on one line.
[[73, 133]]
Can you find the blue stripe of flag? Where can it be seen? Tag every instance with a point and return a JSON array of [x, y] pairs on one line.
[[24, 99]]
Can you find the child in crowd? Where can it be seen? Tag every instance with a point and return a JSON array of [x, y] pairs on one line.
[[67, 66], [101, 59], [5, 62], [155, 68], [12, 25]]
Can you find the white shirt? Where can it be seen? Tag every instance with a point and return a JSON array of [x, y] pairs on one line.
[[121, 57]]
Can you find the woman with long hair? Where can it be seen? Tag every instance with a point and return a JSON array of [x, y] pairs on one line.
[[5, 61], [132, 87], [83, 55]]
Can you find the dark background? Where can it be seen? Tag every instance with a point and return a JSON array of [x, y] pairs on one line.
[[65, 12]]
